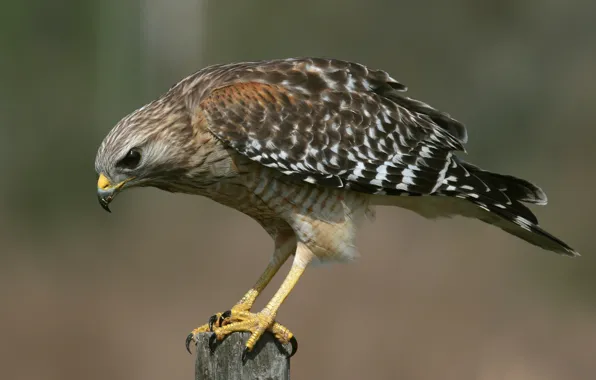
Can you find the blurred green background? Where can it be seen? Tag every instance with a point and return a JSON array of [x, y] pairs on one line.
[[86, 294]]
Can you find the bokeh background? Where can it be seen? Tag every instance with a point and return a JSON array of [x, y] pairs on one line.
[[86, 294]]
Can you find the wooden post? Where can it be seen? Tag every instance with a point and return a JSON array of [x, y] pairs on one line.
[[268, 360]]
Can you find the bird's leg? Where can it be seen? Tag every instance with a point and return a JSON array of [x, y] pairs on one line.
[[246, 302], [285, 245], [257, 323]]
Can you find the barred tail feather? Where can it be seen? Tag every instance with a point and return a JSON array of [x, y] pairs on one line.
[[515, 188], [509, 221], [500, 197]]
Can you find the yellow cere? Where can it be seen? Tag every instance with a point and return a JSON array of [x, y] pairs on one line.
[[103, 183]]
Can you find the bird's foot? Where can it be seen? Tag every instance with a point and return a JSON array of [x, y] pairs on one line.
[[218, 320], [223, 324]]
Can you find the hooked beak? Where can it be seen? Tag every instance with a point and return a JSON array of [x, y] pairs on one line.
[[106, 191]]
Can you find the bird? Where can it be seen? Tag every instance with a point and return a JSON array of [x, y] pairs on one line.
[[307, 147]]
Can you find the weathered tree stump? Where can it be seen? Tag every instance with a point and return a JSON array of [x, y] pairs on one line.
[[268, 360]]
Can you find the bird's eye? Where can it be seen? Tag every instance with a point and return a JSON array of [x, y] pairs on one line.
[[131, 160]]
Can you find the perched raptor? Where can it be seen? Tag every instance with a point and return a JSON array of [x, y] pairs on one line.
[[307, 147]]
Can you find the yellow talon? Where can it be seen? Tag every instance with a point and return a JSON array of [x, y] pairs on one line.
[[223, 324], [256, 324]]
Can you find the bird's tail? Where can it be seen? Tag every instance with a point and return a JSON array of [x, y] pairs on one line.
[[500, 198]]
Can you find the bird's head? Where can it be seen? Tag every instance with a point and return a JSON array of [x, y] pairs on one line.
[[149, 147]]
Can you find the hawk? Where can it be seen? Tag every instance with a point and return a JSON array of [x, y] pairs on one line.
[[307, 147]]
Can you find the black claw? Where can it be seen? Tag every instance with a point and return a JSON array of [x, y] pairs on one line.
[[294, 344], [224, 316], [188, 340], [244, 355], [212, 321], [212, 343]]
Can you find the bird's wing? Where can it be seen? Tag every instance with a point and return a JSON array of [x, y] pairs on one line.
[[332, 123]]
